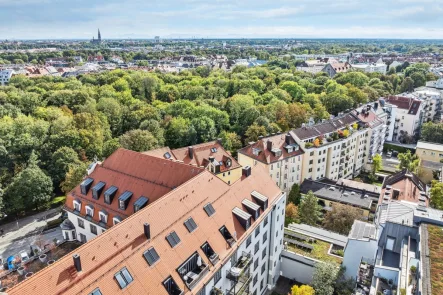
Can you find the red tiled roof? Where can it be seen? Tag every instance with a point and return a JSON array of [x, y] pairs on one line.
[[408, 185], [202, 152], [265, 155], [140, 174], [123, 245], [406, 103]]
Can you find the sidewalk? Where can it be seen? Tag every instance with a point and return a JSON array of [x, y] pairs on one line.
[[20, 234]]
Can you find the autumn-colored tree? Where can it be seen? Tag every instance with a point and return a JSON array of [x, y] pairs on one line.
[[316, 142], [346, 133], [302, 290], [291, 213]]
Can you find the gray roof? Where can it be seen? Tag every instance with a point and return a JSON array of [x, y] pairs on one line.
[[319, 233], [397, 212], [362, 231], [340, 194], [325, 127]]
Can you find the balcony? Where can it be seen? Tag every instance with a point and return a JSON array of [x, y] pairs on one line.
[[210, 253], [193, 270], [240, 275], [227, 235]]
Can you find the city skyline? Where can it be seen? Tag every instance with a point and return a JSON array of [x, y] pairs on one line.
[[395, 19]]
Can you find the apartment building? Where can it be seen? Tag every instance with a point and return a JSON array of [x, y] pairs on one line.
[[280, 155], [333, 149], [5, 76], [408, 119], [432, 103], [431, 159], [378, 130], [209, 155], [122, 185], [203, 237]]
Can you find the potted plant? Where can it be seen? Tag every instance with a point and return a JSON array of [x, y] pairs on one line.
[[42, 257], [29, 274], [21, 270]]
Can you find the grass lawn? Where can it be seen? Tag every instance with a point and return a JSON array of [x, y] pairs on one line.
[[435, 243], [57, 201], [320, 251]]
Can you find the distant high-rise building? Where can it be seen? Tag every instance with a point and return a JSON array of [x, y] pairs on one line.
[[157, 39], [99, 38]]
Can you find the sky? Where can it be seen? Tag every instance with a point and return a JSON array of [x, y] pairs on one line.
[[117, 19]]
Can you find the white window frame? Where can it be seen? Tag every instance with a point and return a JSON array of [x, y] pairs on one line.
[[115, 221], [91, 209], [77, 203], [100, 214]]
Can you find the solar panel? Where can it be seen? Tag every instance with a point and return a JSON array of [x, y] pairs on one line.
[[173, 239], [151, 256], [190, 224], [209, 209]]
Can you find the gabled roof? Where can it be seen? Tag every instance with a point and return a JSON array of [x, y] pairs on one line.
[[409, 186], [259, 151], [124, 244], [140, 174]]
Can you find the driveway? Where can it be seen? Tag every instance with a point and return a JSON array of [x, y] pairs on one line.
[[20, 234], [390, 164]]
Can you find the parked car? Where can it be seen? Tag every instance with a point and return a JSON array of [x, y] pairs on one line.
[[389, 154], [394, 153]]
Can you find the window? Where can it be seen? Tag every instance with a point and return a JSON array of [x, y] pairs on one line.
[[263, 267], [311, 162], [93, 229], [209, 209], [96, 292], [110, 193], [171, 287], [190, 224], [266, 221], [103, 216], [255, 279], [123, 278], [116, 220], [263, 253], [265, 237], [82, 238], [262, 283], [257, 231], [173, 239], [234, 259], [86, 185], [248, 241], [124, 199], [81, 223], [90, 210], [310, 170], [217, 276], [224, 174], [77, 205], [255, 264], [390, 241], [97, 190], [202, 291], [256, 247], [151, 256], [311, 154]]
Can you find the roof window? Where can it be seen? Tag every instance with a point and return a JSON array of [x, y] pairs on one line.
[[209, 209], [151, 256], [173, 239]]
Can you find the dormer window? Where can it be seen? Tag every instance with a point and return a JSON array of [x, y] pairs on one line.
[[89, 210], [103, 215], [86, 185], [97, 190], [110, 193], [171, 287], [77, 205], [124, 199], [116, 220]]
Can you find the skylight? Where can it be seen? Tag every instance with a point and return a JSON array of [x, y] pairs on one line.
[[123, 278], [151, 256], [173, 239], [209, 209], [167, 155], [190, 224]]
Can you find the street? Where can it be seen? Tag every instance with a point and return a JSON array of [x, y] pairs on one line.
[[20, 234]]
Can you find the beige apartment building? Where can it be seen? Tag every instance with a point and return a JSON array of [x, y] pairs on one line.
[[279, 154]]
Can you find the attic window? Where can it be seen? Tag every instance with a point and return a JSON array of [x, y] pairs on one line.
[[190, 224], [167, 155], [173, 239], [214, 150], [124, 199], [96, 292], [109, 194], [151, 256], [86, 185], [209, 209], [140, 203], [97, 190], [256, 151], [77, 205], [171, 287], [123, 278], [243, 217]]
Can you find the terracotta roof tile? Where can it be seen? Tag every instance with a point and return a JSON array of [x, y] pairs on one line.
[[123, 245]]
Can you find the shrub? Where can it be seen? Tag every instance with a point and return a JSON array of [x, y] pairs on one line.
[[308, 145]]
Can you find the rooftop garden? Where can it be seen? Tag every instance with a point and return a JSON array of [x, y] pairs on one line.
[[319, 251], [318, 141], [436, 256], [36, 263]]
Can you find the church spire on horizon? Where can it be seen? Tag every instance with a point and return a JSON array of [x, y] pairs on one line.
[[99, 35]]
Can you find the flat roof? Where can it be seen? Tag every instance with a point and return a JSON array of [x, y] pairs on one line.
[[319, 233], [430, 146]]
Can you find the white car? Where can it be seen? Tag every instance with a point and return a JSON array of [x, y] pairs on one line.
[[24, 256], [389, 154]]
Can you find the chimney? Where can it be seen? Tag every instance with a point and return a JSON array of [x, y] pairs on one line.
[[211, 159], [246, 171], [288, 139], [147, 230], [269, 145], [77, 262], [191, 152], [219, 141]]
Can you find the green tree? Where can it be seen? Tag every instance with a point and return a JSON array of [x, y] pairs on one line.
[[230, 141], [138, 140], [110, 146], [30, 188], [344, 285], [408, 161], [356, 79], [437, 194], [309, 211], [254, 131], [294, 196], [432, 132], [407, 85], [205, 129], [377, 163], [75, 175], [60, 162], [324, 277], [341, 218], [296, 91], [180, 132]]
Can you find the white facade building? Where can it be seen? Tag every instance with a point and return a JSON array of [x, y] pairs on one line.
[[5, 76]]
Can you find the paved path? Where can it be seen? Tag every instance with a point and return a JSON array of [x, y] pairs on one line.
[[20, 234]]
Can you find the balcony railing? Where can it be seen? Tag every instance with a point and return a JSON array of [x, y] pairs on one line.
[[240, 275], [193, 270]]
